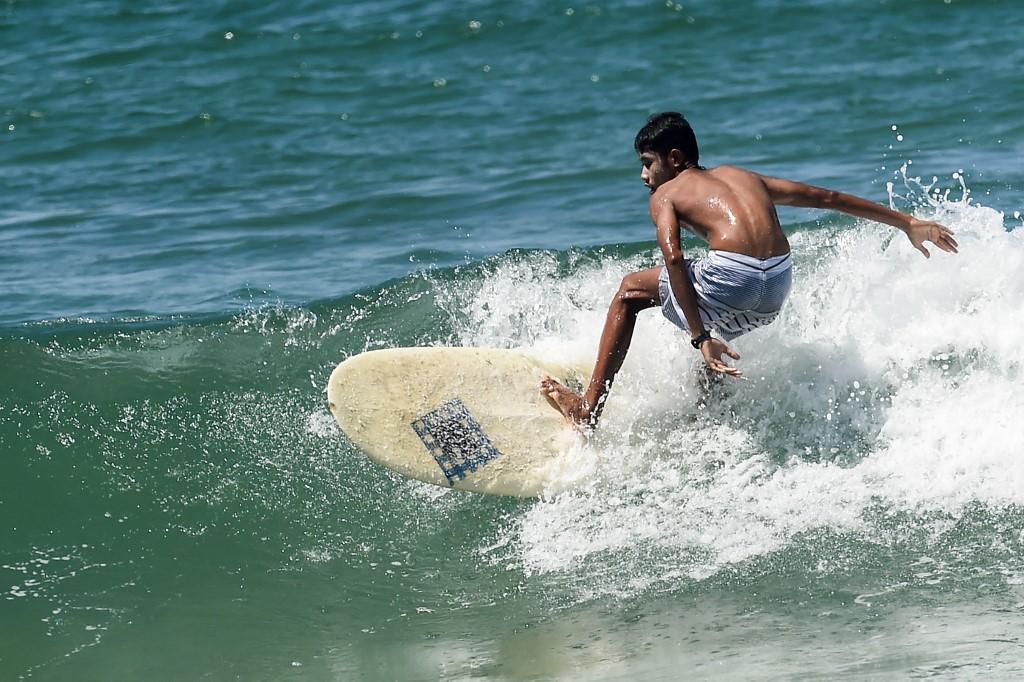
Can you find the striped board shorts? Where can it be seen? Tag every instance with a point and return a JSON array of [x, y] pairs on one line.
[[736, 294]]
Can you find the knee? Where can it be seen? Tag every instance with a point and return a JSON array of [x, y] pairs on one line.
[[624, 288], [627, 295]]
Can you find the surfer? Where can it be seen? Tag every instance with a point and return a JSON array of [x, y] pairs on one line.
[[742, 282]]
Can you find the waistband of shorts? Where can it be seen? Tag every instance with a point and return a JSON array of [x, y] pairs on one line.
[[742, 261]]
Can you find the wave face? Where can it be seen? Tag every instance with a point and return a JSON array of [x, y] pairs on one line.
[[187, 471]]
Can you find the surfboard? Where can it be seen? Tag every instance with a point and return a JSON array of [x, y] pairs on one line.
[[463, 418]]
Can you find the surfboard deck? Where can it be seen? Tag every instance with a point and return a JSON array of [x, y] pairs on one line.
[[464, 418]]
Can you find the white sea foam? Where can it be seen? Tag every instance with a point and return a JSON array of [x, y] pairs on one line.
[[888, 380]]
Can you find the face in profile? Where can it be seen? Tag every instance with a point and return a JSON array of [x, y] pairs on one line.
[[657, 169]]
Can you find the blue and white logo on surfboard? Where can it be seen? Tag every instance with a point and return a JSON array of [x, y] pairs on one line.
[[455, 439]]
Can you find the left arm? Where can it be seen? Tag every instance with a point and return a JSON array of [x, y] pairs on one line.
[[791, 193]]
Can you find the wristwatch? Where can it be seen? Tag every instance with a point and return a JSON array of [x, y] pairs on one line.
[[697, 341]]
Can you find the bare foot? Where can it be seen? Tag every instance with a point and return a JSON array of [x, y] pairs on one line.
[[569, 403]]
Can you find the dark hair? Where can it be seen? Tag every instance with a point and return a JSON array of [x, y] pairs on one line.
[[667, 131]]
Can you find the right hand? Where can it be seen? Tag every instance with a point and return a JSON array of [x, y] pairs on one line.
[[713, 350], [920, 231]]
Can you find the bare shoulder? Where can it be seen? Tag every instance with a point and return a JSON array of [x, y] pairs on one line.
[[740, 179], [666, 195], [735, 172]]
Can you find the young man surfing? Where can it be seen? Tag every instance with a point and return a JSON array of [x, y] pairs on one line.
[[742, 282]]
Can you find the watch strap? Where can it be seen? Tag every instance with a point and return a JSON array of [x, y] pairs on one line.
[[698, 341]]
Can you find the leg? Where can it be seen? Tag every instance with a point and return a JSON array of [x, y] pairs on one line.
[[638, 291]]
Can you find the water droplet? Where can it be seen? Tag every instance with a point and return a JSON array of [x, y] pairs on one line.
[[899, 138]]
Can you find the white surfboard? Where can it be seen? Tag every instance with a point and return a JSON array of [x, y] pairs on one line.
[[465, 418]]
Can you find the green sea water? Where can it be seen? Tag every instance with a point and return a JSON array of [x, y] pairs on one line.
[[204, 207]]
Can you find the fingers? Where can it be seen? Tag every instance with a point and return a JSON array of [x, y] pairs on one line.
[[712, 353], [722, 368], [944, 242], [947, 243], [719, 347], [944, 239], [940, 235]]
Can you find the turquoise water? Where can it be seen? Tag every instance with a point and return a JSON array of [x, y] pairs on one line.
[[203, 208]]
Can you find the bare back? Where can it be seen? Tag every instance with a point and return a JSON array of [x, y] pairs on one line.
[[729, 207]]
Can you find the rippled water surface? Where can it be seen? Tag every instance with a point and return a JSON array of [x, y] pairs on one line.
[[203, 208]]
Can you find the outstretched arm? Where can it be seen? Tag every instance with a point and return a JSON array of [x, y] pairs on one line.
[[790, 193]]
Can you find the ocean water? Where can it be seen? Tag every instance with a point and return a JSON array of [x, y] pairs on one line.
[[205, 206]]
